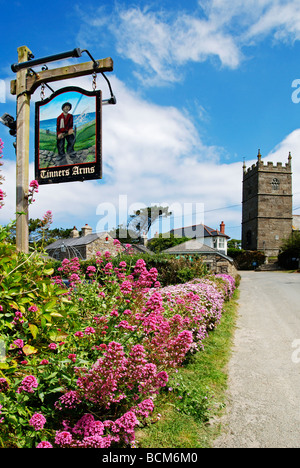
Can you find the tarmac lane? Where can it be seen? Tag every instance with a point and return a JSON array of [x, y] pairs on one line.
[[263, 409]]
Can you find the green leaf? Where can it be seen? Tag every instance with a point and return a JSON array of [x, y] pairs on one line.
[[50, 271], [27, 350], [56, 314], [34, 330]]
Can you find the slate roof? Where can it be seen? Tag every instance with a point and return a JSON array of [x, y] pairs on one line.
[[75, 242], [197, 230], [193, 246]]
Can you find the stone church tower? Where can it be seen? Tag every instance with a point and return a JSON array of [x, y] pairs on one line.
[[267, 206]]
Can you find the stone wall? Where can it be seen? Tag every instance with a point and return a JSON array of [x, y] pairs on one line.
[[101, 245]]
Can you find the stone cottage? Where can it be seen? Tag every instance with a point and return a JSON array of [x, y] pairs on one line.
[[85, 246], [215, 261]]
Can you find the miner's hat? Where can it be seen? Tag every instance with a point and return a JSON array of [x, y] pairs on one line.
[[67, 104]]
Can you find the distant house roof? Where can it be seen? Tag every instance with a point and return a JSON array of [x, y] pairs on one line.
[[140, 248], [193, 246], [197, 230], [74, 242]]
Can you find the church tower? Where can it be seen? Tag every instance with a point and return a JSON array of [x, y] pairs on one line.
[[267, 206]]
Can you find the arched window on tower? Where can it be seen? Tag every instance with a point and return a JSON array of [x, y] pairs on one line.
[[275, 184]]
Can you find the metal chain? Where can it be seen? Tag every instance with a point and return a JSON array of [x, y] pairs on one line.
[[42, 91], [94, 81]]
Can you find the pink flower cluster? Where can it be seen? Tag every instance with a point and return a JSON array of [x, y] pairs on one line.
[[70, 266], [91, 433], [4, 386], [28, 384], [114, 376], [37, 421], [33, 188], [69, 400]]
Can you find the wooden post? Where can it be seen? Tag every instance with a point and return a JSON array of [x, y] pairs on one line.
[[24, 85], [22, 154]]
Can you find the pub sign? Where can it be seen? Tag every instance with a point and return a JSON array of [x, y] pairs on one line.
[[68, 136]]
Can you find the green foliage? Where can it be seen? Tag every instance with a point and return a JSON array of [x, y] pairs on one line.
[[246, 259], [189, 400], [290, 252], [158, 244], [25, 281], [170, 270]]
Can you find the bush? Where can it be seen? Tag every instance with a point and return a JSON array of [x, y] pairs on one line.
[[248, 260], [83, 364]]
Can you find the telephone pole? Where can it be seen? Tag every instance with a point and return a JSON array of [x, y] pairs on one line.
[[25, 85]]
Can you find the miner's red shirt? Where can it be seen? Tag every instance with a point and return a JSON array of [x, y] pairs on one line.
[[64, 123]]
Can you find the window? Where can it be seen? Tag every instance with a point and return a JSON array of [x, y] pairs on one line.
[[275, 184], [221, 243]]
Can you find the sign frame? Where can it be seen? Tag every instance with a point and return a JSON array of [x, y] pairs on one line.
[[57, 165]]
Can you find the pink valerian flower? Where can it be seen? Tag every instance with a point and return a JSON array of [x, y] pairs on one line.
[[28, 384], [70, 266], [124, 324], [44, 444], [33, 188], [108, 268], [2, 195], [144, 408], [17, 344], [69, 400], [33, 308], [114, 374], [79, 334], [4, 386], [74, 279], [44, 362], [47, 219], [37, 421], [89, 331], [91, 270], [87, 426], [126, 287], [52, 346], [72, 357], [18, 318], [63, 439]]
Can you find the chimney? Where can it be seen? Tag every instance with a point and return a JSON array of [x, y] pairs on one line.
[[86, 230], [145, 239], [222, 227], [74, 232]]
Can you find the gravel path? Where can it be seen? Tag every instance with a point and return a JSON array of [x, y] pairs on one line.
[[264, 371]]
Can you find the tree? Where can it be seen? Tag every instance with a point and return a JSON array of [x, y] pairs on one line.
[[40, 232], [141, 220], [160, 243], [289, 256]]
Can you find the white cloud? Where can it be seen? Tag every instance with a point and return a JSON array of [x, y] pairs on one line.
[[151, 154], [160, 43]]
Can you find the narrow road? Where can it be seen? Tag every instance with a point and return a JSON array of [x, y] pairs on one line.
[[264, 371]]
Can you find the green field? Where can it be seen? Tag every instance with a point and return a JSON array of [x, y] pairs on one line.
[[85, 138]]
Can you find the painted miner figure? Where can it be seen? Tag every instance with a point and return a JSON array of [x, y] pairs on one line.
[[65, 131]]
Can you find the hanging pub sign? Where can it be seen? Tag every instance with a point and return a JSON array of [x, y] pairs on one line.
[[68, 137]]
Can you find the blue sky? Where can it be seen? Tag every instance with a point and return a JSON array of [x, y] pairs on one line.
[[200, 87]]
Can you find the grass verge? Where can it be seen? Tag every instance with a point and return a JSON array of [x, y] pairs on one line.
[[187, 413]]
